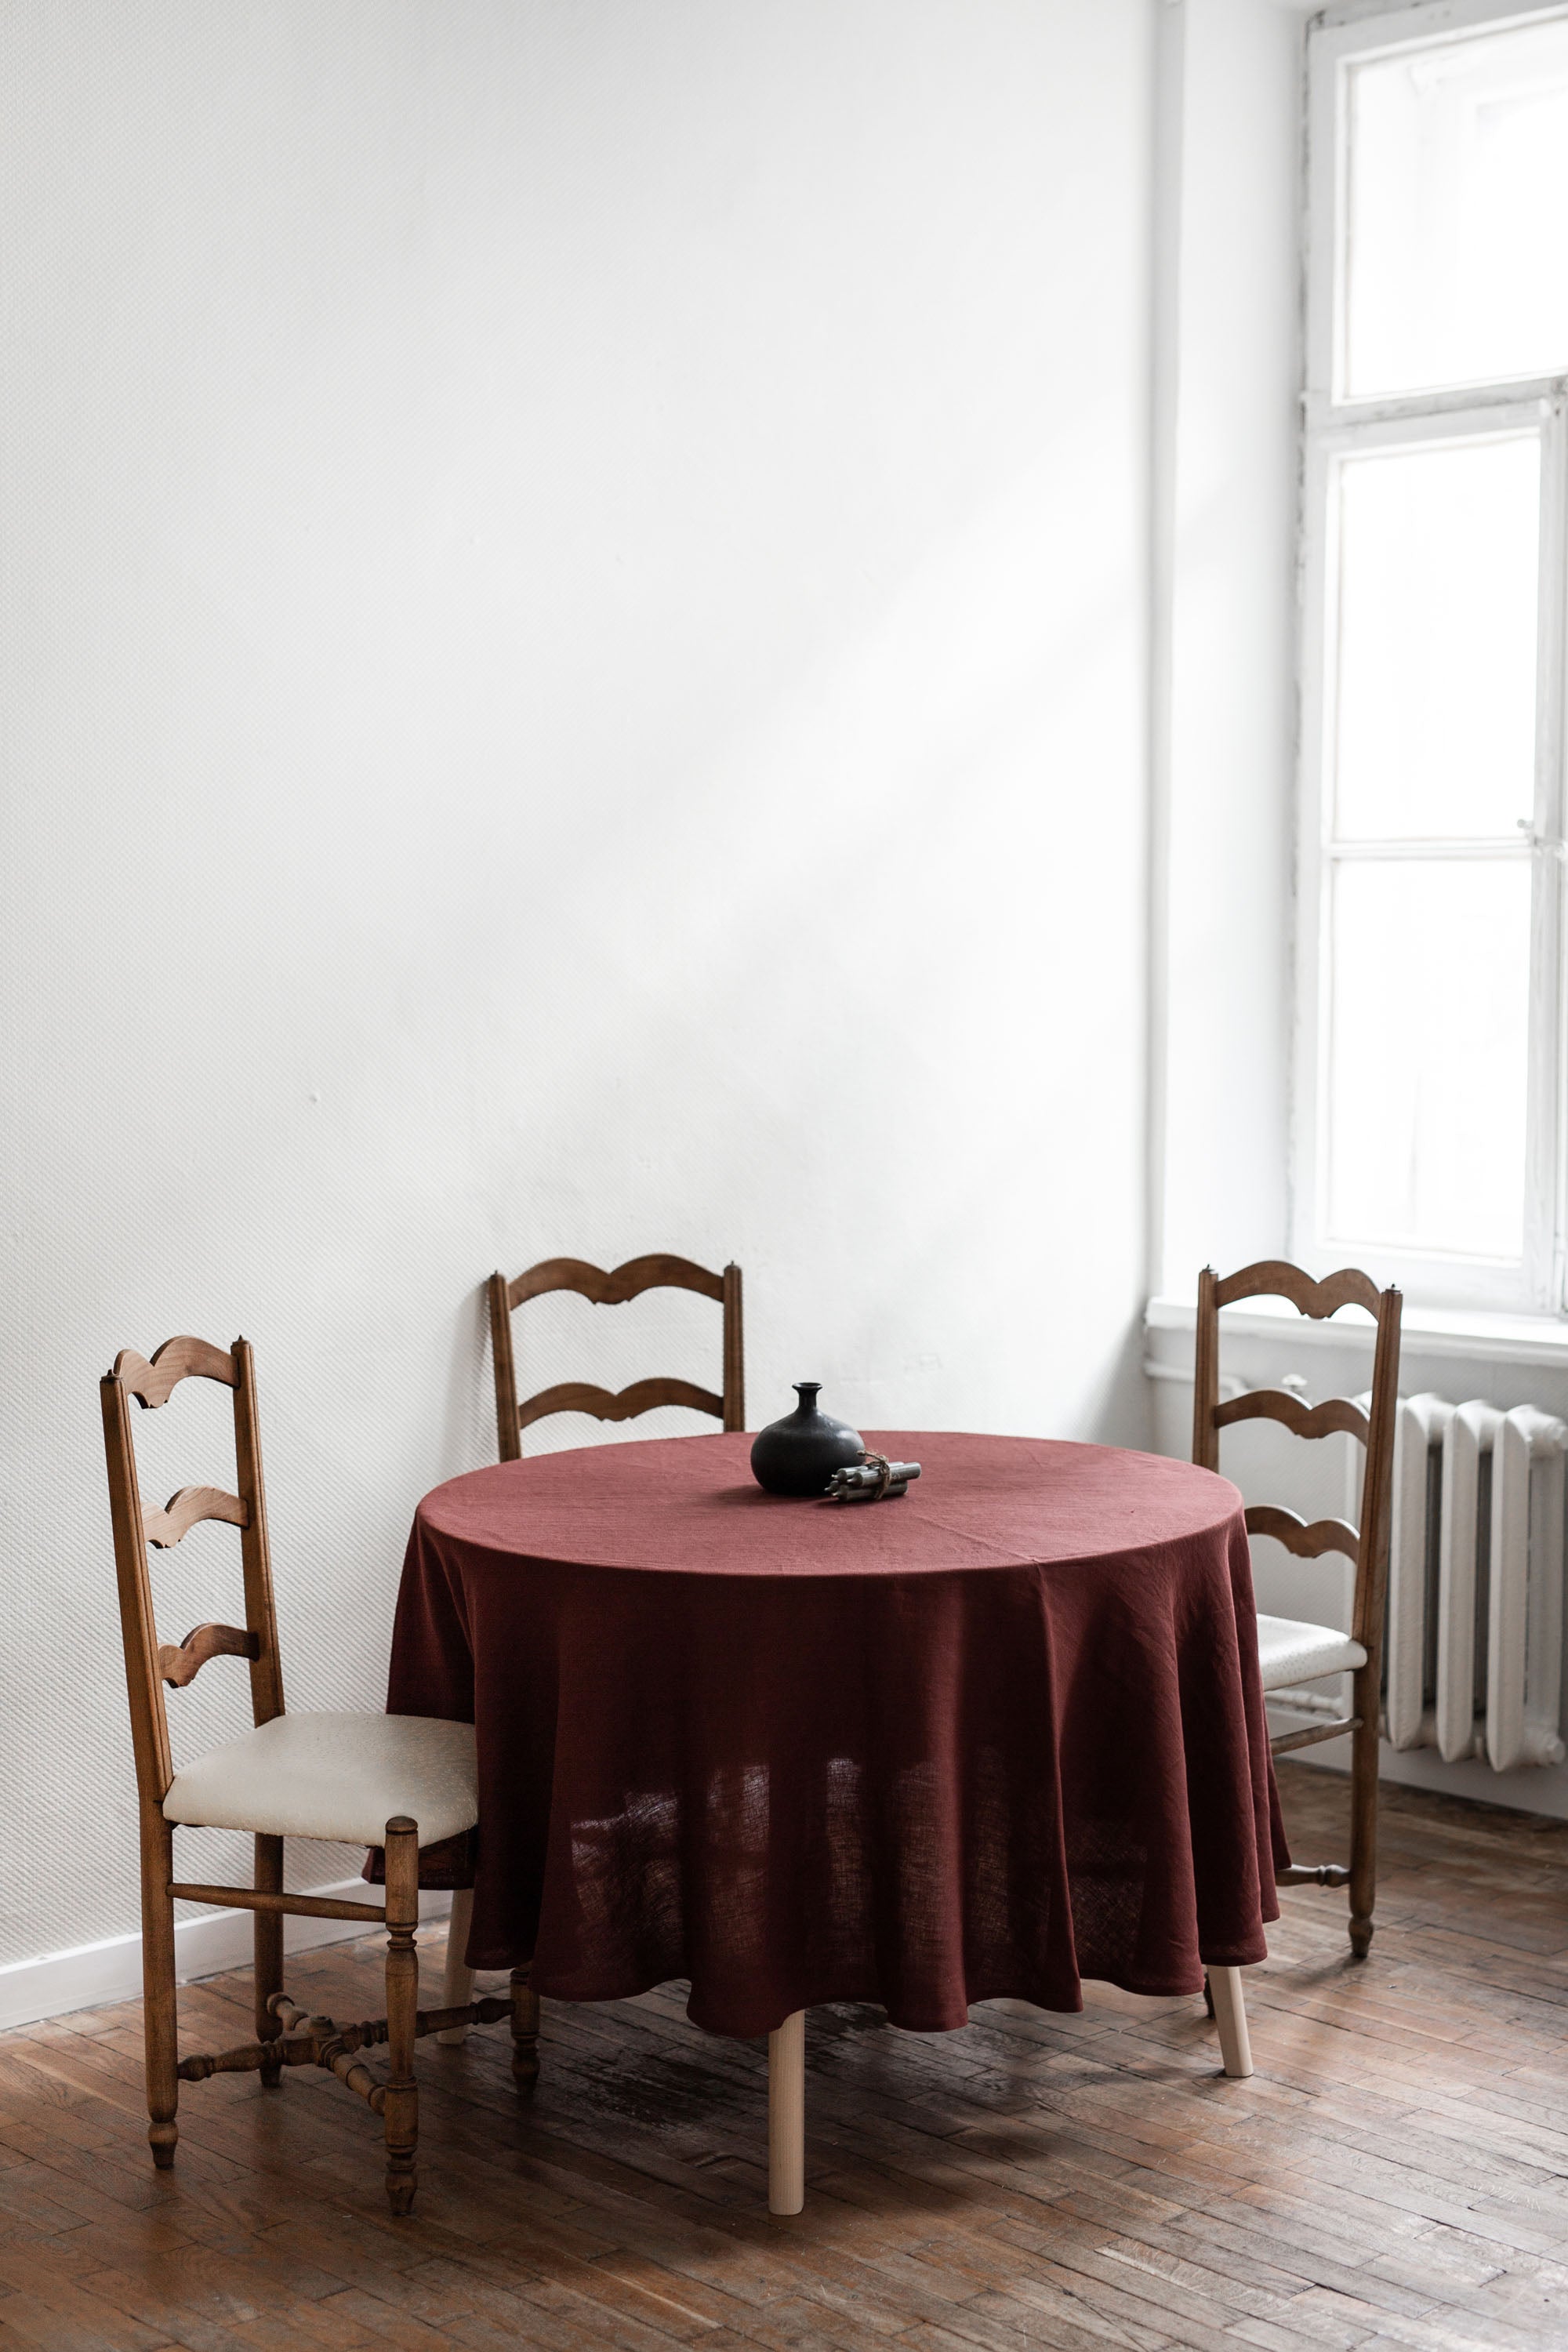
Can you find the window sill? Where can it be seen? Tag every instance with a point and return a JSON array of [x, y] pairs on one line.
[[1424, 1330]]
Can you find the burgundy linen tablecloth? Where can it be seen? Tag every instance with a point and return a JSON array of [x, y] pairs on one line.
[[991, 1738]]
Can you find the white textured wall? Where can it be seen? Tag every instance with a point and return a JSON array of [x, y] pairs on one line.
[[574, 614], [1236, 375]]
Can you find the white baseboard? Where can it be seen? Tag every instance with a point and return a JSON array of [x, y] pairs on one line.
[[96, 1976], [1529, 1789]]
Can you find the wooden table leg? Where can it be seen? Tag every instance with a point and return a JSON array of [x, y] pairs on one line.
[[1230, 2016], [786, 2116], [459, 1986]]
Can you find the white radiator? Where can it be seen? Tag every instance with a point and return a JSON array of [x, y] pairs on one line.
[[1474, 1662]]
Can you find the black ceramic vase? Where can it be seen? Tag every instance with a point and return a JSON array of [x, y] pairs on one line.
[[799, 1454]]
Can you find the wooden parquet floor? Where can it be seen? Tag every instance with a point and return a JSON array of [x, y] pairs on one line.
[[1395, 2173]]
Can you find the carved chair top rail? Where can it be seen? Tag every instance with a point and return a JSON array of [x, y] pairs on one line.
[[153, 1381], [614, 1286], [580, 1396], [1335, 1414], [1274, 1278]]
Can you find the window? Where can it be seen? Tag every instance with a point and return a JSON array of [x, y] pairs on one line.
[[1429, 1089]]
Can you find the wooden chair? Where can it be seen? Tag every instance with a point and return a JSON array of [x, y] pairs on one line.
[[394, 1781], [657, 1271], [628, 1281], [1293, 1652]]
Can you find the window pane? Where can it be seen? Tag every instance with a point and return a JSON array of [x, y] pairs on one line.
[[1456, 255], [1428, 1040], [1437, 586]]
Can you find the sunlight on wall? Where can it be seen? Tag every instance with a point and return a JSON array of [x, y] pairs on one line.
[[577, 614]]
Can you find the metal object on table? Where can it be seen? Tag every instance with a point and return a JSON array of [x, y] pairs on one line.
[[872, 1479]]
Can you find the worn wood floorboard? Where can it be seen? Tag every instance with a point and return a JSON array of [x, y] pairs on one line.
[[1394, 2175]]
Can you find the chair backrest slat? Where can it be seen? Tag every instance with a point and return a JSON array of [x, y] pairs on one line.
[[181, 1665], [1335, 1415], [612, 1286], [1308, 1542], [642, 1396], [186, 1510], [148, 1664]]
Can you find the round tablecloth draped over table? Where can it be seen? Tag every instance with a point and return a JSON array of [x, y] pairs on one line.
[[991, 1738]]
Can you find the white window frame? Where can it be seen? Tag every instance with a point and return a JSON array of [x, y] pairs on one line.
[[1335, 427]]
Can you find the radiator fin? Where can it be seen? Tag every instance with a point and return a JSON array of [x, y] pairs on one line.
[[1475, 1588]]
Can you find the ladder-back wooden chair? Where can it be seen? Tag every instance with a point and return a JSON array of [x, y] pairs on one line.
[[1292, 1652], [612, 1289], [396, 1781]]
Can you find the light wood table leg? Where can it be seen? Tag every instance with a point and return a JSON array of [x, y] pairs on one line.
[[1230, 2016], [786, 2116], [459, 1987]]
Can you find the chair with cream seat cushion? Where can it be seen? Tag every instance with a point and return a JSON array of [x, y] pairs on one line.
[[1292, 1651], [399, 1782]]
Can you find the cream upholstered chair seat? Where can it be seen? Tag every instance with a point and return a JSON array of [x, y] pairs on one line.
[[340, 1777], [1292, 1652]]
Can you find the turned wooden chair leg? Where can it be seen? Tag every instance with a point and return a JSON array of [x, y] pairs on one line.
[[269, 1968], [1363, 1811], [1230, 2016], [524, 2031], [459, 1984], [402, 2107], [787, 2114], [160, 2012]]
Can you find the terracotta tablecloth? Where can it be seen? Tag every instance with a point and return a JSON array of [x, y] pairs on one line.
[[994, 1737]]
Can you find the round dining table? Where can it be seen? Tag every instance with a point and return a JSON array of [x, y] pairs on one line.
[[992, 1736]]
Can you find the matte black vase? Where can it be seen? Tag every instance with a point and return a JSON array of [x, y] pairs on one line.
[[799, 1454]]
